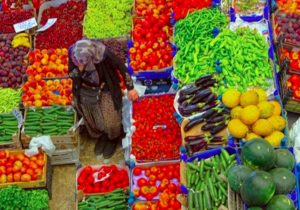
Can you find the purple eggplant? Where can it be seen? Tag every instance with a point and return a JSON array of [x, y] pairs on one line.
[[218, 128], [200, 96], [208, 127], [209, 83], [211, 98], [189, 91], [217, 139], [193, 138], [198, 147], [208, 113], [200, 141], [216, 119], [203, 79], [209, 106], [183, 98], [192, 123], [188, 110]]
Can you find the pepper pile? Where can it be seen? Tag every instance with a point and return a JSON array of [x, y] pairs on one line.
[[47, 63], [45, 93], [8, 19], [294, 84], [157, 135], [192, 37], [67, 29], [151, 36], [294, 57], [289, 6], [9, 99], [182, 8], [157, 182], [103, 179]]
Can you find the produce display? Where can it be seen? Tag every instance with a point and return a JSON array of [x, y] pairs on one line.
[[289, 6], [12, 61], [118, 47], [265, 178], [151, 35], [249, 7], [253, 116], [294, 57], [9, 99], [157, 135], [45, 93], [182, 8], [107, 18], [293, 84], [289, 25], [66, 30], [47, 63], [161, 182], [117, 199], [102, 179], [8, 19], [52, 121], [8, 127], [205, 181], [17, 167], [13, 197], [192, 38]]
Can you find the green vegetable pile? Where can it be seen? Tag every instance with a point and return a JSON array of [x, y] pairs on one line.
[[13, 198], [207, 189], [245, 5], [9, 99], [55, 120], [8, 127], [192, 37], [243, 56], [107, 18], [114, 200]]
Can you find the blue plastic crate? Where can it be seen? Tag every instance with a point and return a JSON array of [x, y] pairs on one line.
[[298, 183]]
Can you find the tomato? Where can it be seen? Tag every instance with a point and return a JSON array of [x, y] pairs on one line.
[[25, 178], [11, 158], [34, 159], [20, 157], [147, 172], [154, 170], [38, 171], [3, 154], [2, 169], [152, 177], [152, 182], [10, 178], [17, 177], [172, 188], [40, 163], [40, 157], [170, 175], [33, 165], [26, 161], [149, 196], [23, 170], [160, 176], [30, 171], [18, 163], [16, 168], [9, 170], [141, 182], [33, 177], [3, 162]]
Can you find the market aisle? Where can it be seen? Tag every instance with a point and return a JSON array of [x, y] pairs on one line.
[[63, 181]]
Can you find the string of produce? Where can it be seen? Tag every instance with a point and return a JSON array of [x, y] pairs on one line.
[[9, 99], [107, 18]]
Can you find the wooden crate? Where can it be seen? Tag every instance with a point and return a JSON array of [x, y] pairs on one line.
[[32, 184], [61, 142], [14, 144], [66, 156]]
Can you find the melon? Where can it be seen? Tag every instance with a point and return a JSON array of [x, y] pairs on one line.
[[236, 176], [258, 189], [284, 159], [281, 202], [258, 154], [284, 179]]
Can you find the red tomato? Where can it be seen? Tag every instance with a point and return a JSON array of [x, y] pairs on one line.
[[3, 154], [40, 163], [141, 182], [30, 171], [17, 177], [20, 157], [137, 171]]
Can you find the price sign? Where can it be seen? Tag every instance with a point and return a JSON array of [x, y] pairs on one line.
[[25, 25]]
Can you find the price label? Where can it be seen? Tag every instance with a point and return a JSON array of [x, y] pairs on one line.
[[25, 25], [19, 117], [159, 126], [50, 22]]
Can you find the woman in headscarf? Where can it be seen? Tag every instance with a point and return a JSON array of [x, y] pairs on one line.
[[97, 92]]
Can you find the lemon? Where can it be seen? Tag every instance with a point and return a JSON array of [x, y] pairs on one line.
[[249, 115], [236, 112], [237, 129], [231, 98], [266, 109], [275, 138], [277, 122], [249, 97], [262, 127], [262, 95], [277, 108]]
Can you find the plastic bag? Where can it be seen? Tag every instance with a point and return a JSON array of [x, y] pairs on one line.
[[43, 142], [295, 139]]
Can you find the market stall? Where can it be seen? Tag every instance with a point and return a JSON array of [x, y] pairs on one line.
[[210, 132]]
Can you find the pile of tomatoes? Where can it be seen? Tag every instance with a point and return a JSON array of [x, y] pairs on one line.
[[20, 168], [157, 135], [103, 179], [161, 182], [151, 35], [294, 57]]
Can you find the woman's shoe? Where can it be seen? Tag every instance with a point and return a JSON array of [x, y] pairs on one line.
[[100, 145], [110, 149]]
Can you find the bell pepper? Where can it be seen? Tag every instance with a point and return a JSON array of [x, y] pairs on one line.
[[295, 56]]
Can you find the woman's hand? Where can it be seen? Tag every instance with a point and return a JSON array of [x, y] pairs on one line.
[[133, 95]]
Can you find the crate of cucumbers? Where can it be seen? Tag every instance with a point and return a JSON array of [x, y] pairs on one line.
[[9, 131]]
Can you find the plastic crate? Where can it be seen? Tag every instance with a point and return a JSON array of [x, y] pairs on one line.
[[255, 16]]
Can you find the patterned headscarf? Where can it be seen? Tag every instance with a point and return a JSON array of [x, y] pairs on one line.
[[88, 53]]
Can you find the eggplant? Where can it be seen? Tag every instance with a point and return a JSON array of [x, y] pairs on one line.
[[200, 141], [183, 98], [216, 119], [217, 139], [203, 79], [187, 111], [207, 126], [193, 138], [211, 98], [200, 95], [209, 106], [218, 128], [209, 83], [189, 91], [192, 123], [198, 147], [208, 113]]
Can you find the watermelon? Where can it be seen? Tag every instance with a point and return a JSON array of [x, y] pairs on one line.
[[258, 154], [284, 179], [236, 175], [280, 202], [284, 159], [258, 188]]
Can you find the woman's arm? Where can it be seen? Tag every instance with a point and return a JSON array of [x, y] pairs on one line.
[[122, 68]]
